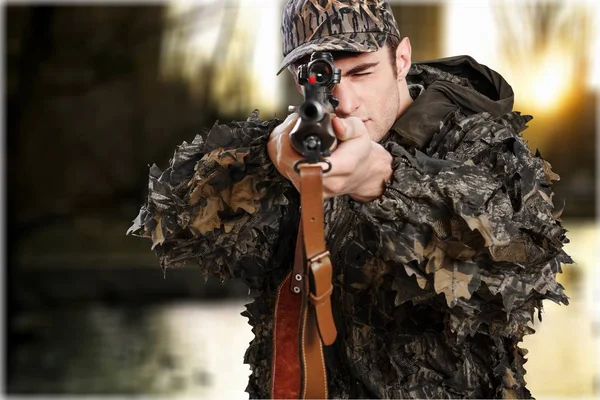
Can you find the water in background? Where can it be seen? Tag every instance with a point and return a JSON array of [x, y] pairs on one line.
[[177, 348], [197, 348]]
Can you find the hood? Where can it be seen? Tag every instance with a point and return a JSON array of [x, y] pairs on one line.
[[450, 84]]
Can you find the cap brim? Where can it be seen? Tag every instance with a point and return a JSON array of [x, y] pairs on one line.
[[362, 42]]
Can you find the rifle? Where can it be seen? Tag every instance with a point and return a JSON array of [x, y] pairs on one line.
[[313, 135], [303, 317]]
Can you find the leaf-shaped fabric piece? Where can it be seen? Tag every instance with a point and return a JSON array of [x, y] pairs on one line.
[[245, 196], [421, 280], [158, 237], [456, 279], [510, 231], [220, 204], [207, 217]]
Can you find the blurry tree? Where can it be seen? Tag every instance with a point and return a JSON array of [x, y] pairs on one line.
[[215, 51], [88, 108]]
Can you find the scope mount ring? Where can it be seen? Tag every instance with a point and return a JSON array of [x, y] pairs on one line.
[[307, 161]]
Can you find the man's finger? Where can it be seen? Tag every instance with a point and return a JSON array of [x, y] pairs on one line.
[[339, 128], [287, 125]]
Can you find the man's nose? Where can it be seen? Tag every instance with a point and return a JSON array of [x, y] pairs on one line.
[[347, 100]]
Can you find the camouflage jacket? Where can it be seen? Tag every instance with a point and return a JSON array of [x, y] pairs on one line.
[[435, 282]]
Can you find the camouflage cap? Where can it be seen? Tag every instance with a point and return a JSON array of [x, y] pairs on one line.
[[334, 25]]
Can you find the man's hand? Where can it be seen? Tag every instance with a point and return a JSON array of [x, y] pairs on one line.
[[360, 166]]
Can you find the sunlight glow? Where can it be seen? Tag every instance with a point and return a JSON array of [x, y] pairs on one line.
[[594, 54], [542, 75], [265, 15], [476, 38], [547, 83]]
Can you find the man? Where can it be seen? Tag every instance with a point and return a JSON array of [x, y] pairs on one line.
[[439, 219]]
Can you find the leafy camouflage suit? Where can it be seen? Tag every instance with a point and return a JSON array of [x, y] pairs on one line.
[[434, 282]]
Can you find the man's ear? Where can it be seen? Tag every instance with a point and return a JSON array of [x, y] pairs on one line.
[[403, 58]]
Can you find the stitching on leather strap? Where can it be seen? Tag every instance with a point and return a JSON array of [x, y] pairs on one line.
[[324, 369], [305, 380], [274, 362]]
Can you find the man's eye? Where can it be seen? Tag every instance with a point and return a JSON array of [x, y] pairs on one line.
[[363, 74]]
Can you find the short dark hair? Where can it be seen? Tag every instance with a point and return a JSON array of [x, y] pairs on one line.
[[392, 42]]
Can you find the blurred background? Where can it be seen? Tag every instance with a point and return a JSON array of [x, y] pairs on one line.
[[96, 93]]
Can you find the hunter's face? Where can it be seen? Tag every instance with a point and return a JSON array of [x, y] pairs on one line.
[[371, 90]]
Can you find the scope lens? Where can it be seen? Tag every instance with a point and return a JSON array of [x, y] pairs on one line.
[[321, 70]]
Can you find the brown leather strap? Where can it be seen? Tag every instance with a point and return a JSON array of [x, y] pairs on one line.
[[321, 299], [318, 327], [303, 317], [311, 201], [286, 379], [319, 262], [299, 263], [314, 374]]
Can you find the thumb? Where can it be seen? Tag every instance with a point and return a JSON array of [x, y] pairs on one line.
[[346, 128], [289, 122], [285, 127], [339, 127]]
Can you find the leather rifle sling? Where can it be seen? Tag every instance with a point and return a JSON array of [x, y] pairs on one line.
[[303, 318], [317, 327], [286, 379]]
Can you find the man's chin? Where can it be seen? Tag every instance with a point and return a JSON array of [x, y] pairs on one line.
[[375, 134]]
